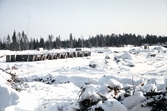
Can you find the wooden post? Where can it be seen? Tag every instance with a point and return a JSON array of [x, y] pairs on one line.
[[43, 57], [62, 56], [66, 55], [8, 58], [35, 57], [89, 53], [58, 55], [13, 58], [50, 56], [38, 57], [80, 54], [75, 54], [25, 58], [31, 57], [54, 56], [71, 54], [19, 58]]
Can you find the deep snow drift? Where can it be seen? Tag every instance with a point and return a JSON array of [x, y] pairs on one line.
[[103, 77]]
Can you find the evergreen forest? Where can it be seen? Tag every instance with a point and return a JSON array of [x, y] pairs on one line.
[[20, 41]]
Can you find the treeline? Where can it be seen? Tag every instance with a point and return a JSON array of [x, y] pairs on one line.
[[20, 41]]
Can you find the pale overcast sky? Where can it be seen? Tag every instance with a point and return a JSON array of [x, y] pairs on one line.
[[82, 17]]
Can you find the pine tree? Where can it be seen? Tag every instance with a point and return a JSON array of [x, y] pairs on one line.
[[58, 42], [1, 45], [50, 42], [71, 41], [8, 42], [25, 45], [14, 45], [19, 39], [42, 42]]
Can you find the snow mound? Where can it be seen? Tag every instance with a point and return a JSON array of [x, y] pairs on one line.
[[98, 64], [126, 55], [114, 83], [133, 100], [90, 92], [150, 55], [159, 48], [149, 87], [8, 97], [26, 102], [109, 105]]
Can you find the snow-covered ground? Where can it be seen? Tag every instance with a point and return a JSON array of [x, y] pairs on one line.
[[61, 85]]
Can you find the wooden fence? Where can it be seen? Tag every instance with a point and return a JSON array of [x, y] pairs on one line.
[[49, 56]]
